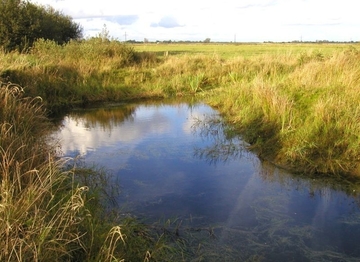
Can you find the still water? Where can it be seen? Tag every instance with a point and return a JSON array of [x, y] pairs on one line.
[[178, 161]]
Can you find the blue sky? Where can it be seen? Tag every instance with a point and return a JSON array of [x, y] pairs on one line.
[[222, 20]]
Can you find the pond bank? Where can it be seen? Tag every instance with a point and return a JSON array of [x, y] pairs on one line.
[[300, 114], [298, 109], [25, 216], [180, 160]]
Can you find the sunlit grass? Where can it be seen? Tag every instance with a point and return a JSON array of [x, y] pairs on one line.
[[296, 104], [51, 209], [231, 50], [299, 111]]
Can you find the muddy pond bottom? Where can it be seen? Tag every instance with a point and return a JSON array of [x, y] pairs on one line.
[[178, 162]]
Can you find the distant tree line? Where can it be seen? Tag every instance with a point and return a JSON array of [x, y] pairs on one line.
[[146, 40], [22, 23], [313, 42]]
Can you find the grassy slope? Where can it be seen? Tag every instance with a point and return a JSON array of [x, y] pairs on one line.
[[298, 111], [296, 104]]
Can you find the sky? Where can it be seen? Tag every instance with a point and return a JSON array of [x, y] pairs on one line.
[[221, 20]]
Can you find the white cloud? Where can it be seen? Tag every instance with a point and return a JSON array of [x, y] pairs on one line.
[[250, 20], [78, 135], [167, 22]]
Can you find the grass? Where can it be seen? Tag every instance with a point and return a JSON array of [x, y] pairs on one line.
[[298, 111], [232, 50], [52, 209], [296, 104], [34, 218], [76, 73]]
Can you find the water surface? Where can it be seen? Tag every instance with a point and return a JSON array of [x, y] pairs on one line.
[[176, 161]]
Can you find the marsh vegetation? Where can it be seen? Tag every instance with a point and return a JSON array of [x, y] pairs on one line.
[[294, 105]]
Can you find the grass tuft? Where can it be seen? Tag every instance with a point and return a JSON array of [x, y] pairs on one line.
[[51, 212]]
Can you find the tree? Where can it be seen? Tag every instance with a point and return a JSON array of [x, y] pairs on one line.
[[207, 40], [22, 23], [104, 35]]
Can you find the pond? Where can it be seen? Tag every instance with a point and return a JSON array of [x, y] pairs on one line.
[[179, 161]]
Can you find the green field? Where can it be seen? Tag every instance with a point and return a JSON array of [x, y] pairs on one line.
[[231, 50]]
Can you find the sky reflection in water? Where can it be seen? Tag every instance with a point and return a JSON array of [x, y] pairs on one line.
[[174, 161]]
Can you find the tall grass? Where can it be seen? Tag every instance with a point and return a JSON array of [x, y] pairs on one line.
[[231, 50], [75, 73], [299, 111], [295, 104], [36, 223], [52, 213]]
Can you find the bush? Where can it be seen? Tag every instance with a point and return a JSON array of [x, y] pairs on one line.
[[22, 23]]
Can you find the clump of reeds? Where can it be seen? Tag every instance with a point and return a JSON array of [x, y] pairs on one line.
[[42, 214], [300, 111], [51, 212], [36, 223], [76, 73]]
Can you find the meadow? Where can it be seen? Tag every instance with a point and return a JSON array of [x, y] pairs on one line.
[[232, 50], [295, 105]]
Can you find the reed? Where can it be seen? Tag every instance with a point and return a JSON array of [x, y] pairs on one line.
[[295, 107], [52, 209], [36, 223], [75, 73], [298, 111], [295, 104]]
